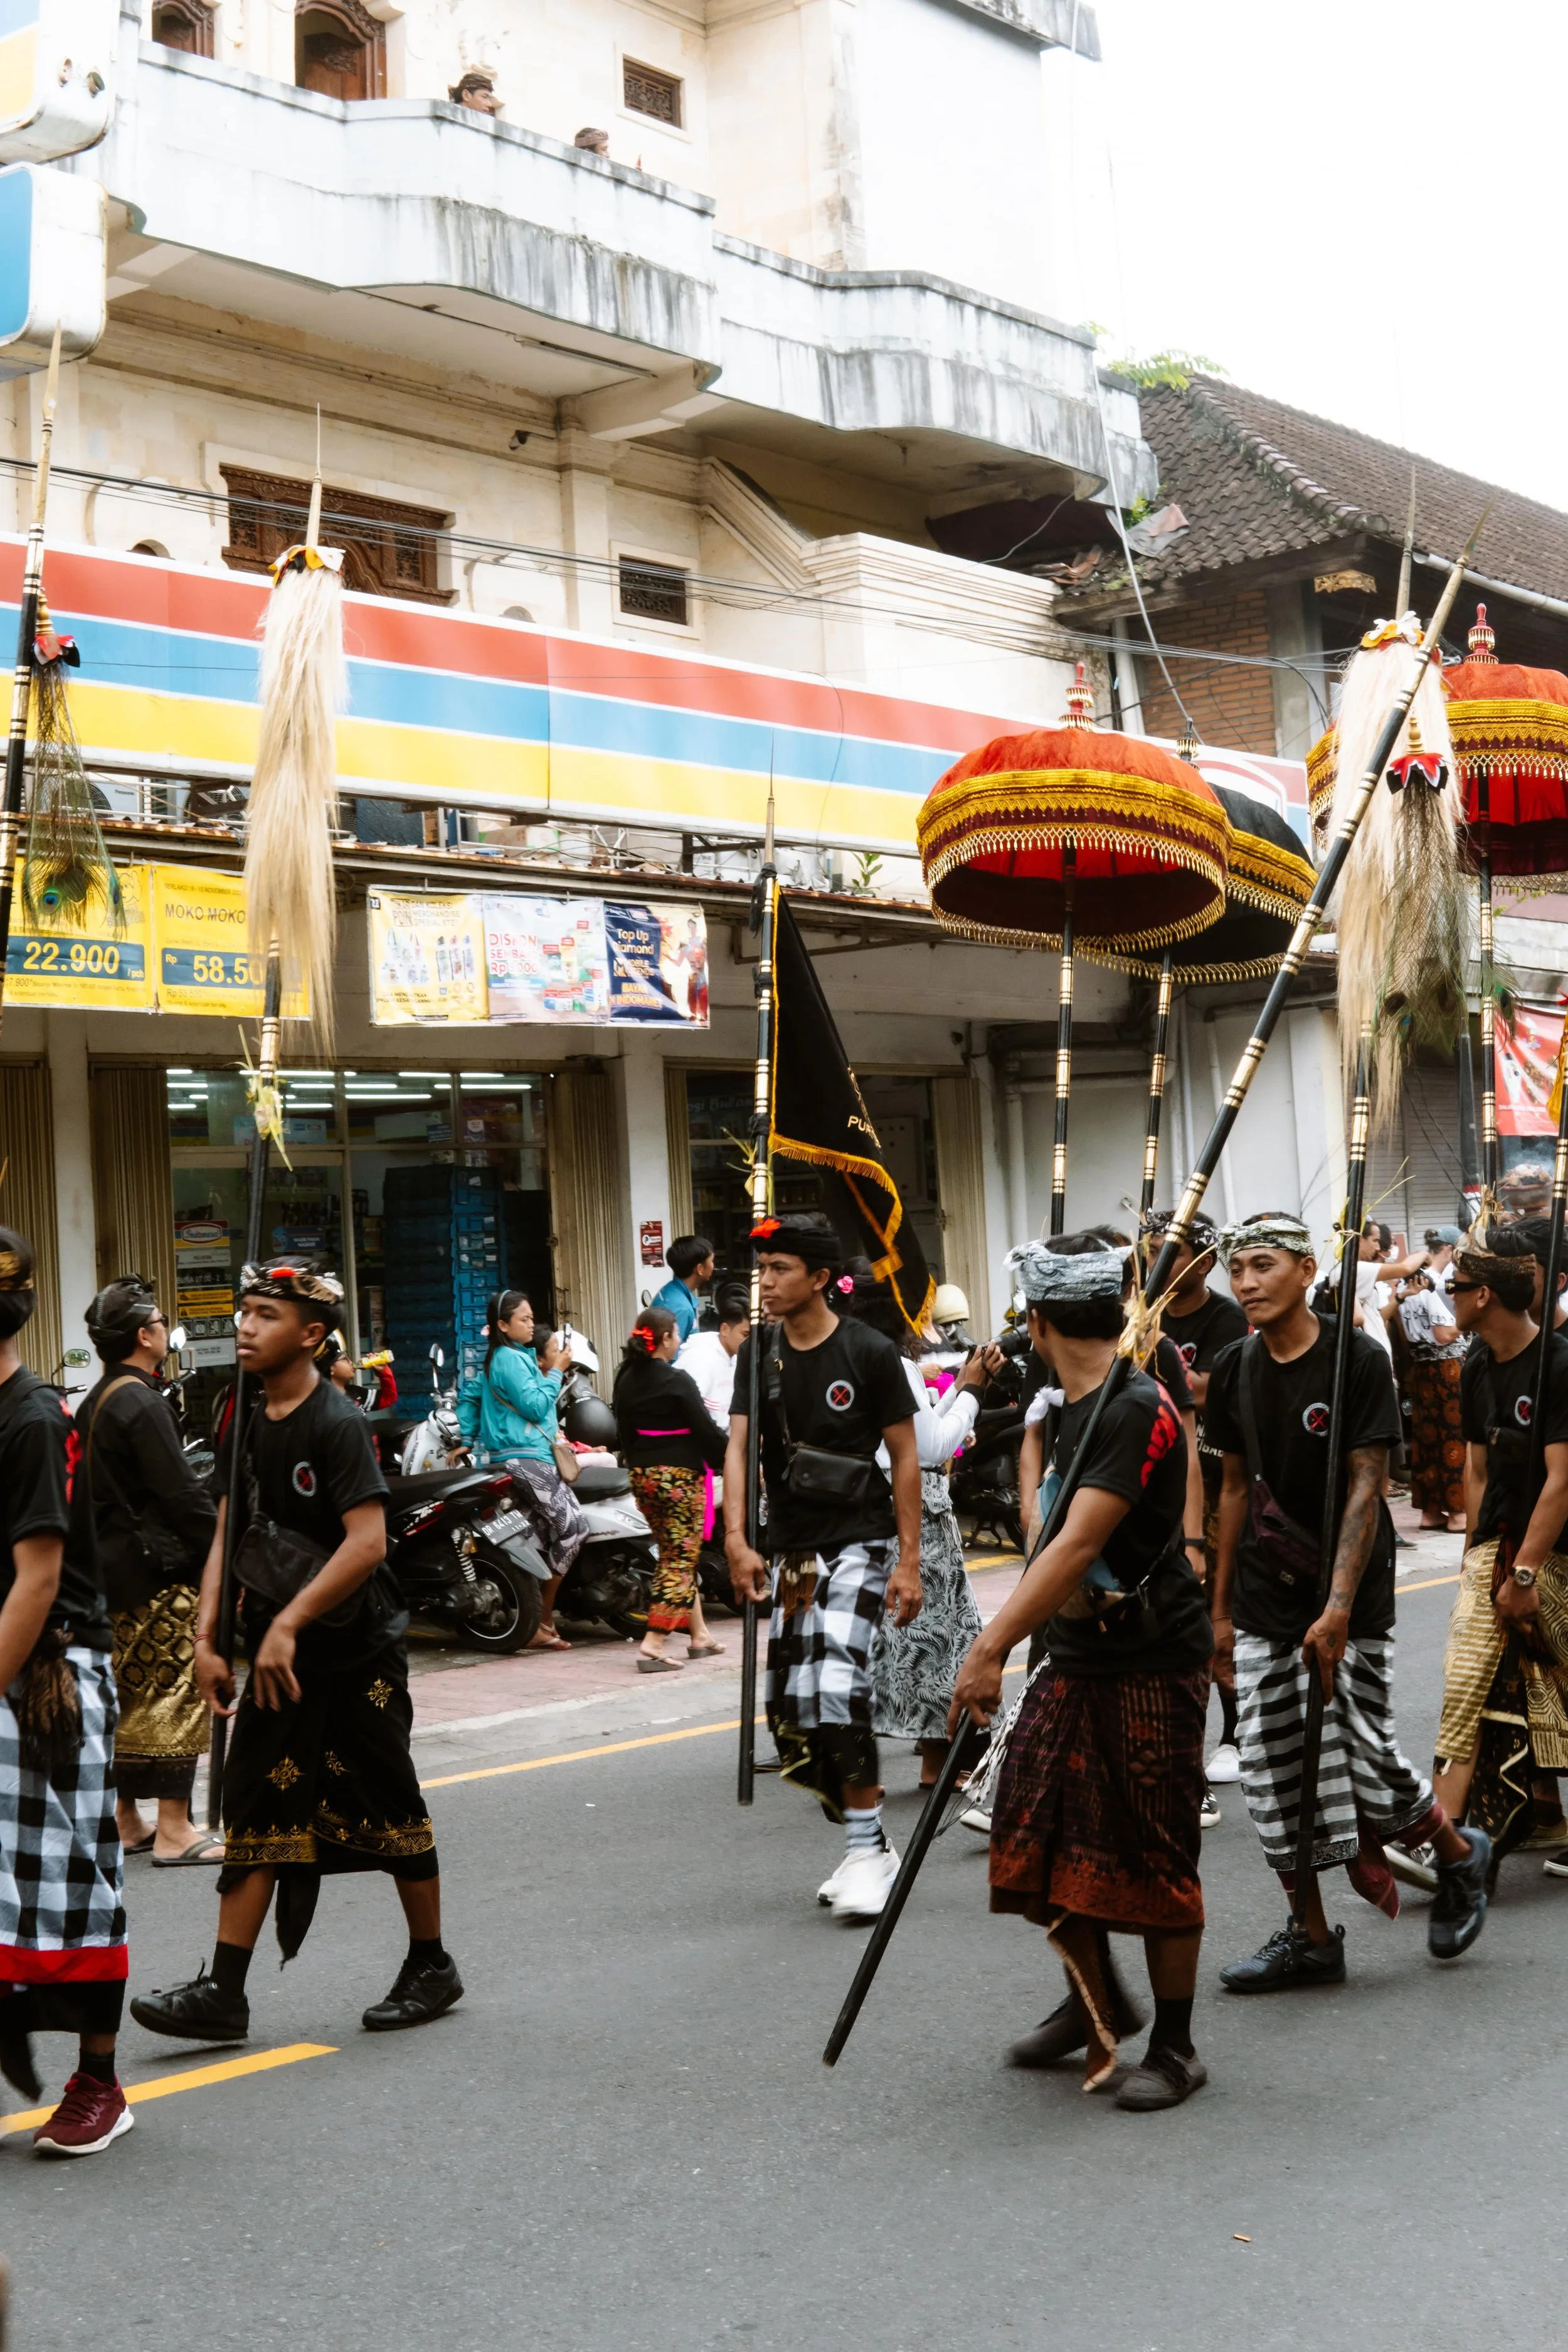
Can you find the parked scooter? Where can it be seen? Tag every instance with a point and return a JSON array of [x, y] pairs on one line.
[[463, 1554], [985, 1484]]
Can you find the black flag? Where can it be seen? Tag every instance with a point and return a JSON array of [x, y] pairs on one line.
[[820, 1116]]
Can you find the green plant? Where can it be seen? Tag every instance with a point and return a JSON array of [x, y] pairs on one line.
[[1174, 369], [864, 881]]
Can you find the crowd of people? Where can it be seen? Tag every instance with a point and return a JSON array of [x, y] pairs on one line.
[[1187, 1560]]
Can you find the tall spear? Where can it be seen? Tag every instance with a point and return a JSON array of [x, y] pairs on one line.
[[1334, 1467], [764, 906], [22, 680], [1159, 1274]]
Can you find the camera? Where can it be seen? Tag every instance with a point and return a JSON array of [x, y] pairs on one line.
[[1014, 1343]]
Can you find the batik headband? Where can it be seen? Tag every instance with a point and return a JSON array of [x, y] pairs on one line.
[[1201, 1232], [811, 1244], [1268, 1233], [284, 1278], [1047, 1276]]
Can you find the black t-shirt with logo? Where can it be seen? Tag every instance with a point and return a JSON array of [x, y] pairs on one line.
[[1496, 1404], [838, 1396], [1291, 1406], [1197, 1338], [311, 1466], [1167, 1369], [38, 1453], [1140, 1452]]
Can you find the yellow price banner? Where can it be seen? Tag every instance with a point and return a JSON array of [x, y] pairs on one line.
[[204, 960], [92, 964]]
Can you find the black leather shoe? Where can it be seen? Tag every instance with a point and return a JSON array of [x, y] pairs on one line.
[[1164, 2080], [1289, 1958], [198, 2011], [420, 1993], [1065, 2032]]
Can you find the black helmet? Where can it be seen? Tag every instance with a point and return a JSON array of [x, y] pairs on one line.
[[588, 1420], [118, 1314]]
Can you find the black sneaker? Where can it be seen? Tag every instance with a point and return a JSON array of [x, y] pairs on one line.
[[1164, 2080], [1289, 1958], [198, 2011], [1458, 1910], [421, 1992]]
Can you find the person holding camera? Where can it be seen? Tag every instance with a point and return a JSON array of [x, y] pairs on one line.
[[141, 1521], [844, 1536]]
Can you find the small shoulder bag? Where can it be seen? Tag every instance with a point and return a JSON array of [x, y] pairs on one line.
[[811, 1473], [1278, 1544], [276, 1562]]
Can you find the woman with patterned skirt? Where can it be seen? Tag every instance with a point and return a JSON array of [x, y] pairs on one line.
[[1437, 1351], [671, 1445]]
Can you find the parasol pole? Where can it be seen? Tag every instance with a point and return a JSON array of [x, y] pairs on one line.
[[1482, 651], [1188, 1207], [1064, 1051], [1470, 1150], [263, 1092], [22, 682], [764, 907], [1549, 1273], [1334, 1467], [1156, 1089]]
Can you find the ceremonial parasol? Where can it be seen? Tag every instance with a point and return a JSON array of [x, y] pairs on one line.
[[1510, 730], [1269, 880], [1073, 836]]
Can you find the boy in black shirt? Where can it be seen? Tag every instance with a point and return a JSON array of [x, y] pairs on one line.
[[62, 1923], [1268, 1412], [831, 1392], [1507, 1654], [1095, 1824], [319, 1778]]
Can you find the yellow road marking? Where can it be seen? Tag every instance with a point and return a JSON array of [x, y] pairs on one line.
[[194, 2078], [1425, 1585]]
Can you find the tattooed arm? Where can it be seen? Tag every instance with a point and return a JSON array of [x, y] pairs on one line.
[[1325, 1641]]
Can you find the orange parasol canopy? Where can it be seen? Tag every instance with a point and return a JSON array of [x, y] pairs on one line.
[[1510, 727]]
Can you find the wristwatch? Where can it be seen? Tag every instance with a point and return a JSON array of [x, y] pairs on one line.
[[1525, 1577]]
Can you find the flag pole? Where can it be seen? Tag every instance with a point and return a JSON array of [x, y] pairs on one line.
[[1334, 1467], [22, 682], [764, 909], [1181, 1226]]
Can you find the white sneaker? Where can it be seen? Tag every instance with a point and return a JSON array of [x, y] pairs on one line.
[[1209, 1814], [863, 1884], [1224, 1764], [975, 1818], [829, 1887]]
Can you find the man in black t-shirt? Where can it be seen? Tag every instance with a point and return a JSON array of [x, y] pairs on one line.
[[62, 1922], [319, 1775], [1095, 1822], [831, 1392], [1502, 1661], [1269, 1410], [1199, 1322]]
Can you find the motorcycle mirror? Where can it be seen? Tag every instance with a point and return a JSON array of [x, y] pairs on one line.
[[438, 1354], [177, 1338]]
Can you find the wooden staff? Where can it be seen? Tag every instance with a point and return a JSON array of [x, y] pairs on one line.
[[1181, 1226], [22, 682], [764, 906], [1489, 1011], [1334, 1467], [1156, 1089], [1465, 1086]]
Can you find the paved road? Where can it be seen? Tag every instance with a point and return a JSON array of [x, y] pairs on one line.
[[624, 2138]]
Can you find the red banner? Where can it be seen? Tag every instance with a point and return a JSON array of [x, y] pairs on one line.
[[1526, 1065]]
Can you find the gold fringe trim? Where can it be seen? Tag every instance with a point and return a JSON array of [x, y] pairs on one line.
[[1190, 975], [1079, 804]]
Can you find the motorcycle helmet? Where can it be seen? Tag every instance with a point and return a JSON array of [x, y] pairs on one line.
[[950, 1305], [589, 1421]]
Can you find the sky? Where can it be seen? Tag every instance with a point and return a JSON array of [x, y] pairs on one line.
[[1357, 209]]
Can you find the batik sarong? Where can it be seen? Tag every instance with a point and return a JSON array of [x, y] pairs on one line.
[[914, 1667], [1437, 1438], [673, 1501], [1365, 1781], [164, 1725]]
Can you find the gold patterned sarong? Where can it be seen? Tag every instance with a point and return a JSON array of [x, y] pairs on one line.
[[164, 1725], [1475, 1650]]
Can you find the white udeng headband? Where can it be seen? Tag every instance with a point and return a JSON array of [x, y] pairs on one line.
[[1044, 1274]]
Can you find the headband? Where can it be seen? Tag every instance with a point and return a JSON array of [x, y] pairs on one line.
[[1287, 1234], [17, 1296], [1203, 1234], [1492, 1266], [1045, 1275], [816, 1245], [281, 1277]]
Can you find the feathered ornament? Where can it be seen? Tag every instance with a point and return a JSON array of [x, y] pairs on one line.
[[66, 864], [290, 895], [1399, 907]]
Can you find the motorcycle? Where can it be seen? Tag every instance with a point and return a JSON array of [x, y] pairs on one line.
[[463, 1554], [984, 1482]]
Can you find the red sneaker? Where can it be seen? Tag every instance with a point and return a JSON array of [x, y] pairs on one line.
[[91, 2114]]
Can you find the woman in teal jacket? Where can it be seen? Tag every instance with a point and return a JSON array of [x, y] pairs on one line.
[[507, 1415]]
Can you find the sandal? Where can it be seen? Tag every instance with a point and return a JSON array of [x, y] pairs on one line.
[[651, 1665], [705, 1648], [195, 1856], [142, 1846], [551, 1641]]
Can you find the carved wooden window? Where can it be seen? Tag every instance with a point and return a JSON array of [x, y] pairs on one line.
[[339, 49], [185, 25], [652, 592], [389, 549], [646, 90]]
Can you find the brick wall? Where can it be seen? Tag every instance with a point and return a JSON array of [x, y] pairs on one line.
[[1230, 706]]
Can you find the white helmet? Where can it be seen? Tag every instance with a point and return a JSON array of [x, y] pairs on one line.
[[950, 1305]]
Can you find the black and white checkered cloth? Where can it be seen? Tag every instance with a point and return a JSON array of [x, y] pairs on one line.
[[819, 1657], [61, 1917], [1364, 1776]]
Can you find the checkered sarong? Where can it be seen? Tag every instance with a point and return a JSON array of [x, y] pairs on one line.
[[819, 1655], [1362, 1777], [61, 1918]]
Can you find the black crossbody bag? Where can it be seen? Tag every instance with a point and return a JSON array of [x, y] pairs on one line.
[[1286, 1551], [276, 1562], [811, 1474]]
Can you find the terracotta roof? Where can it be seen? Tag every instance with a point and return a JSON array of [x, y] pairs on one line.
[[1256, 479]]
